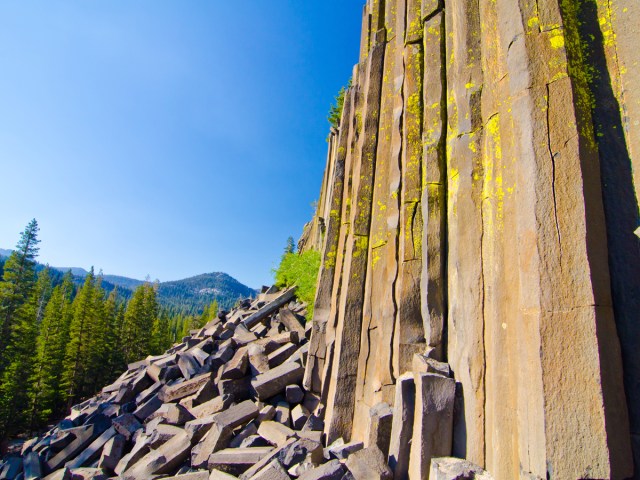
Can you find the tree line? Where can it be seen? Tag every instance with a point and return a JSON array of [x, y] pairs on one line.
[[61, 343]]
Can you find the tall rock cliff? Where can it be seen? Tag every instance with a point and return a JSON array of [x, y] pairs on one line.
[[478, 208]]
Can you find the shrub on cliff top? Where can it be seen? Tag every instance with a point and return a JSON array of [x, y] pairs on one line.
[[300, 269], [335, 112]]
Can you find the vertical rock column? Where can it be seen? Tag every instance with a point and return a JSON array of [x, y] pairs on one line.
[[464, 221], [344, 368], [376, 378], [434, 175], [409, 334], [322, 305]]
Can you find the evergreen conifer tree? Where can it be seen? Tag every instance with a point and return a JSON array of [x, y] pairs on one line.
[[46, 396], [97, 353], [18, 281], [19, 358], [137, 329], [114, 314], [75, 362]]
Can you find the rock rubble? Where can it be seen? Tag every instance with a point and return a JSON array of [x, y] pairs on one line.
[[225, 403]]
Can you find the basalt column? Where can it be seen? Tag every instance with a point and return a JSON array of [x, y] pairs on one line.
[[341, 374], [479, 209]]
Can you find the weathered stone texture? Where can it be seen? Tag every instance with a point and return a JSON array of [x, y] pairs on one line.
[[500, 232]]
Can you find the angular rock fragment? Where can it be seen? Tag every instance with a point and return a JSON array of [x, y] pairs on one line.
[[269, 308], [275, 433], [166, 458], [290, 320], [82, 440], [299, 417], [248, 431], [139, 450], [198, 428], [216, 405], [112, 452], [126, 425], [370, 464], [200, 475], [402, 425], [294, 394], [424, 364], [237, 460], [176, 414], [240, 388], [237, 414], [162, 434], [149, 407], [216, 474], [31, 467], [267, 413], [433, 422], [276, 380], [283, 413], [332, 470], [88, 474], [273, 471], [274, 453], [301, 450], [278, 356], [216, 439], [187, 365], [93, 451], [344, 450], [258, 360], [448, 468], [252, 441], [237, 366], [180, 390], [199, 355], [381, 420]]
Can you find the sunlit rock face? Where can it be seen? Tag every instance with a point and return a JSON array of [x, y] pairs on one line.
[[478, 209]]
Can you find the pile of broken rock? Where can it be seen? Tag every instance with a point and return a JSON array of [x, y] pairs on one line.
[[228, 403], [225, 403]]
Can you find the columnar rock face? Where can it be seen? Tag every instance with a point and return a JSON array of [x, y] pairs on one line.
[[478, 207]]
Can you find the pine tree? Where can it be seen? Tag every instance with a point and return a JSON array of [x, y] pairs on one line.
[[213, 310], [97, 368], [291, 246], [45, 393], [74, 370], [114, 314], [161, 338], [141, 313], [19, 357], [18, 281]]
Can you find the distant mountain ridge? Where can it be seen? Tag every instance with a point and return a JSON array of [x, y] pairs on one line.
[[189, 295]]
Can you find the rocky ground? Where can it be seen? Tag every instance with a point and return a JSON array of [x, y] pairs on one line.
[[225, 403]]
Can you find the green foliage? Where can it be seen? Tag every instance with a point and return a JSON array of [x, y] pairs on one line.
[[19, 301], [18, 281], [189, 296], [291, 246], [45, 395], [335, 112], [63, 341], [139, 319], [76, 375], [301, 270]]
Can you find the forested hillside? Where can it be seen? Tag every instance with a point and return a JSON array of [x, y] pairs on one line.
[[188, 296], [61, 340]]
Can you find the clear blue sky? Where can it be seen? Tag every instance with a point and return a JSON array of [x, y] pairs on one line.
[[168, 138]]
